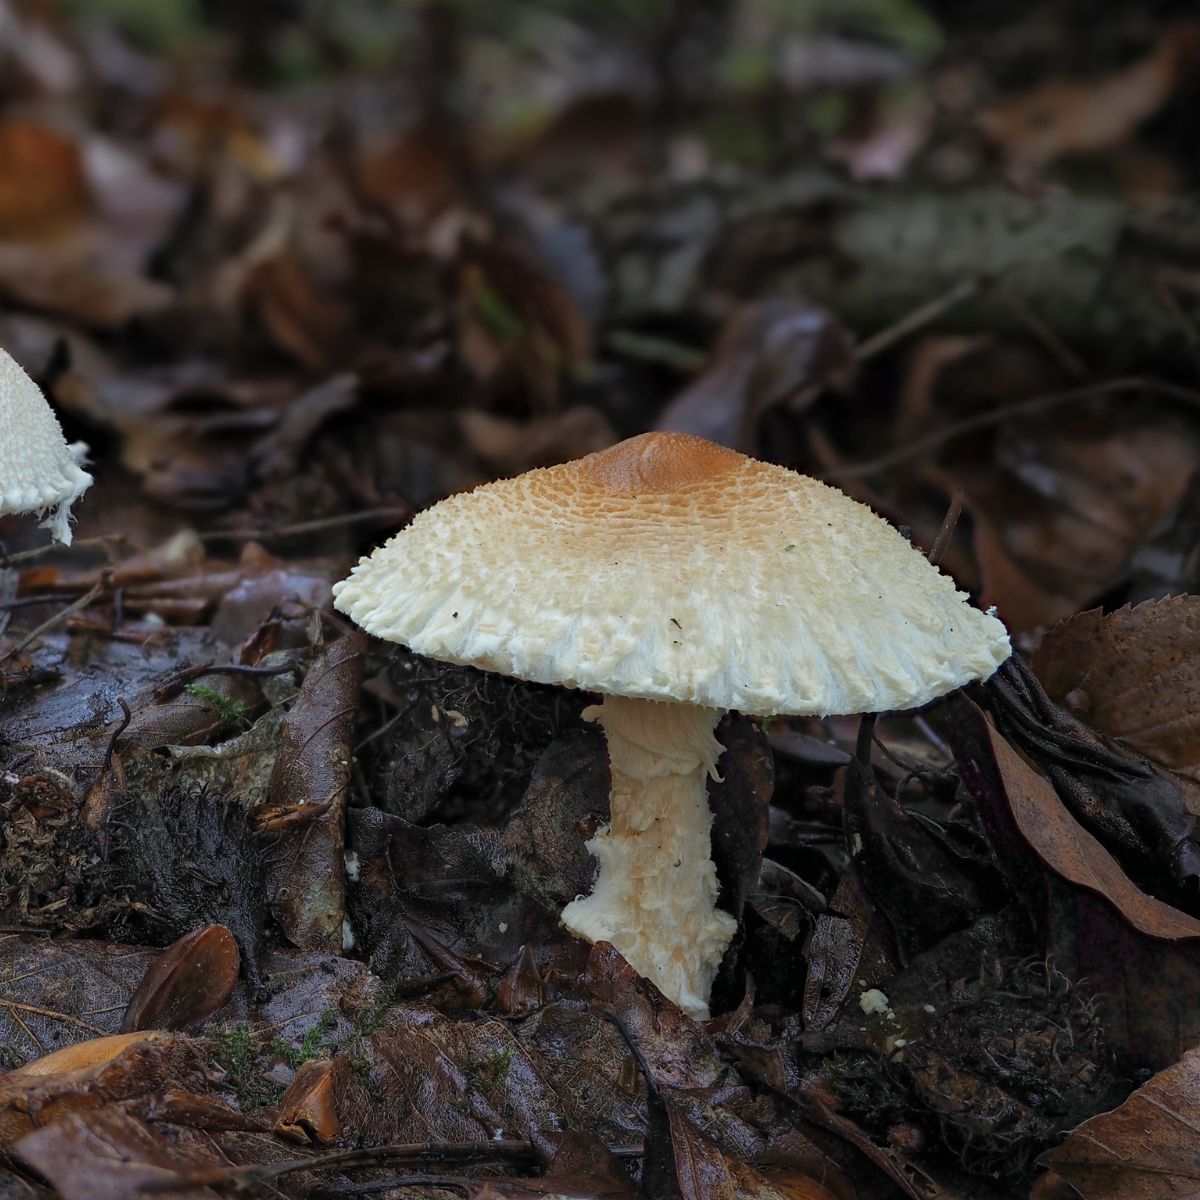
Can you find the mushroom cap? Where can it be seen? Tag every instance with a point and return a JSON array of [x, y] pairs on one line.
[[670, 568], [38, 470]]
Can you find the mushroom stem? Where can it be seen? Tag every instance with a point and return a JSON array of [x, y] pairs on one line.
[[656, 890]]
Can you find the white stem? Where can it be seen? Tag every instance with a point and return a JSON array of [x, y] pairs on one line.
[[656, 890]]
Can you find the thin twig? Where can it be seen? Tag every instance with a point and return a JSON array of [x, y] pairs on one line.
[[947, 530], [52, 1015], [313, 526], [243, 1177], [997, 416], [100, 539], [914, 320], [60, 616]]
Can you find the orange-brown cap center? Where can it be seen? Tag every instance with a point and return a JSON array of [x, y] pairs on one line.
[[653, 463]]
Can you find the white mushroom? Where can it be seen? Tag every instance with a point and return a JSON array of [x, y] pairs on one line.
[[38, 470], [679, 579]]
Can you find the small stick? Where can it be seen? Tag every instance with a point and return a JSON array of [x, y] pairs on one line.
[[913, 321], [947, 530]]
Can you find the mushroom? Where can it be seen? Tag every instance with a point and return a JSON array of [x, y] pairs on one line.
[[38, 470], [678, 579]]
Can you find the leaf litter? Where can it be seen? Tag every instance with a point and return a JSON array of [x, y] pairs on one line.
[[278, 902]]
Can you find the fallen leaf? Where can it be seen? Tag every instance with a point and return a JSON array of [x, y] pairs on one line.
[[1144, 1150], [1063, 117], [188, 982], [988, 764], [1134, 675], [771, 353], [43, 185], [107, 1155]]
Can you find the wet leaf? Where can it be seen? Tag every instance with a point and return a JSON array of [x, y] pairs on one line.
[[188, 982], [1134, 675], [1144, 1150], [106, 1155], [991, 765]]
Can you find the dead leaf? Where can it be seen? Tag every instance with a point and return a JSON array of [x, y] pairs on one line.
[[1057, 527], [1063, 117], [43, 185], [107, 1155], [1144, 1150], [770, 353], [1134, 675], [993, 766], [188, 982]]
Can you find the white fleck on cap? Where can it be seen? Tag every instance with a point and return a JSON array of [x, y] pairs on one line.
[[671, 568], [38, 470]]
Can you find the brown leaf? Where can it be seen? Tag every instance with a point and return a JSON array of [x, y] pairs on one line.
[[188, 982], [1056, 529], [770, 353], [43, 186], [308, 1112], [1134, 675], [1144, 1150], [312, 767], [125, 1066], [1063, 117], [106, 1155], [1059, 840]]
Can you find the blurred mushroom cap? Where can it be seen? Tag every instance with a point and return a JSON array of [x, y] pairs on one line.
[[671, 568], [38, 470]]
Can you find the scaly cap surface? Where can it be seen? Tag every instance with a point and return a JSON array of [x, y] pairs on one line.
[[38, 470], [670, 568]]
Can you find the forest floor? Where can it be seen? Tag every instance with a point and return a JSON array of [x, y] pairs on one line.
[[294, 279]]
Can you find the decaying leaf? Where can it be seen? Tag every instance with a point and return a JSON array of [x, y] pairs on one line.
[[1134, 675], [107, 1155], [992, 766], [1064, 117], [1143, 1150]]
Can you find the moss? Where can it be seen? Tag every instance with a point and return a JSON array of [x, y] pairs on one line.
[[236, 1051], [231, 711]]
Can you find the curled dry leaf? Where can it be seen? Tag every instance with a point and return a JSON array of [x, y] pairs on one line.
[[188, 982], [308, 1112], [43, 185], [1134, 675], [989, 767], [1146, 1149]]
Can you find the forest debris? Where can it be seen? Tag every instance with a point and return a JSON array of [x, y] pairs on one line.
[[107, 1155], [1075, 508], [92, 1074], [992, 768], [1138, 810], [1145, 1149], [1133, 675], [770, 353], [188, 982], [312, 769], [44, 187], [1063, 117]]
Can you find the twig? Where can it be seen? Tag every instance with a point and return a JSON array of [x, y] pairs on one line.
[[100, 539], [998, 415], [314, 526], [459, 1153], [54, 1016], [83, 601], [947, 530], [914, 320]]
